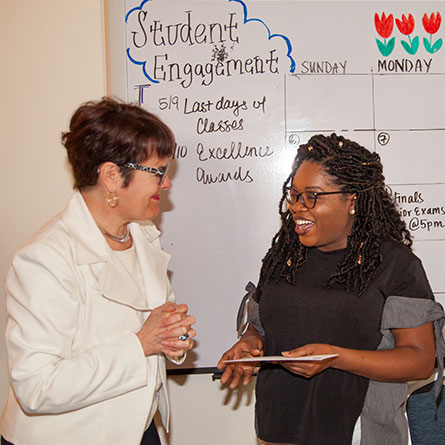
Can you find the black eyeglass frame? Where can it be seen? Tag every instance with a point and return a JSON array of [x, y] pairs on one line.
[[159, 172], [299, 196]]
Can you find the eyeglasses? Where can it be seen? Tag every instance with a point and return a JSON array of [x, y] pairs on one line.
[[159, 172], [308, 199]]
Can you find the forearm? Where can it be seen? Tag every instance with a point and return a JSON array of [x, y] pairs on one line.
[[400, 364], [253, 338], [47, 384], [411, 358]]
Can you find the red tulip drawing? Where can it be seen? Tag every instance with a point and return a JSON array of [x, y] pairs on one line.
[[384, 27], [406, 27], [432, 25]]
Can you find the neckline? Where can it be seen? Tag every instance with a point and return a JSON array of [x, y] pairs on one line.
[[327, 252]]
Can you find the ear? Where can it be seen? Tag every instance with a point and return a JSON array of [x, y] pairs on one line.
[[110, 176], [352, 200]]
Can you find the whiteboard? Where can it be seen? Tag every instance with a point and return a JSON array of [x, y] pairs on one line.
[[242, 83]]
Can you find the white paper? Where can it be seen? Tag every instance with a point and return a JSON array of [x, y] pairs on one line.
[[280, 358]]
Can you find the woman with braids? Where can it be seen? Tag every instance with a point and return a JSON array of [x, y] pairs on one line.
[[339, 278]]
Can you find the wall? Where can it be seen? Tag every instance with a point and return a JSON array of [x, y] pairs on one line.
[[205, 413], [53, 59]]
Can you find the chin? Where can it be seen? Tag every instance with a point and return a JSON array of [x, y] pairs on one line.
[[306, 242], [153, 214]]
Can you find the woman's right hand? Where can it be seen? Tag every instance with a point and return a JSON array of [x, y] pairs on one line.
[[250, 345], [162, 328]]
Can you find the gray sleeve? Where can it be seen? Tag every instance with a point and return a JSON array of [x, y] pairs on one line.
[[382, 418], [253, 316], [249, 313]]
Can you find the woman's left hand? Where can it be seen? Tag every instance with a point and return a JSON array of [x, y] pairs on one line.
[[178, 335], [164, 331], [310, 368]]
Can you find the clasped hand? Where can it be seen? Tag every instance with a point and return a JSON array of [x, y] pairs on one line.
[[161, 331]]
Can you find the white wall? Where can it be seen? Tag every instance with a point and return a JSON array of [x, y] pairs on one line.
[[53, 59], [205, 413]]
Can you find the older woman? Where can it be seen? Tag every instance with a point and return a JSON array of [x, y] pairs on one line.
[[340, 279], [91, 314]]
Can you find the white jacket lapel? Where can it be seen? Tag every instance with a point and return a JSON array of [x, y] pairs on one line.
[[115, 283], [154, 263], [118, 285]]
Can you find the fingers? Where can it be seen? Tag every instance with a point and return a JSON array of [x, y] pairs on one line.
[[162, 328], [175, 347], [177, 353], [307, 370], [182, 308], [172, 340], [257, 352], [225, 356], [178, 320], [167, 307], [297, 352], [236, 374], [172, 308], [179, 317]]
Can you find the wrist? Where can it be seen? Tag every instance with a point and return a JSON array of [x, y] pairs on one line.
[[253, 340], [337, 362], [145, 345]]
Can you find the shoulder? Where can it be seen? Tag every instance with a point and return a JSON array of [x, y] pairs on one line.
[[397, 256], [45, 263], [52, 236], [401, 271], [50, 247], [391, 249]]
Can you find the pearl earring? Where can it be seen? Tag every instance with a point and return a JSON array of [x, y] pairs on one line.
[[352, 212]]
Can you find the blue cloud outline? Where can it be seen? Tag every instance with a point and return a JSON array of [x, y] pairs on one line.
[[137, 62], [270, 35], [133, 60], [246, 20], [137, 8]]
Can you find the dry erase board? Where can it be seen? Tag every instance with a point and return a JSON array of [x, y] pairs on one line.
[[242, 83]]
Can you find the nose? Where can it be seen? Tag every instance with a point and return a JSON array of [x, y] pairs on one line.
[[166, 183]]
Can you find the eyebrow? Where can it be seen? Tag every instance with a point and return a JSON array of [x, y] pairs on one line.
[[308, 189]]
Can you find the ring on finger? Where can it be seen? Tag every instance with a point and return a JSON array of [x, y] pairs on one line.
[[184, 337]]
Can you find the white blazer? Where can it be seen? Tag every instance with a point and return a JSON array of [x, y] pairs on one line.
[[77, 370]]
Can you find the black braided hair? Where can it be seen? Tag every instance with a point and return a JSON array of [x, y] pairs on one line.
[[355, 170]]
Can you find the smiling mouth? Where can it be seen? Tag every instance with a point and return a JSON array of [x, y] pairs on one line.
[[302, 226]]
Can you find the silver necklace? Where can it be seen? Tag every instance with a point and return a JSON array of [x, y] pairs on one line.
[[119, 239]]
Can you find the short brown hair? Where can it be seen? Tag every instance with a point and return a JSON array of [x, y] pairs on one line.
[[112, 131]]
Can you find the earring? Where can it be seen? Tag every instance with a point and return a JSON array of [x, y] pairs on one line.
[[359, 261], [352, 212], [113, 199]]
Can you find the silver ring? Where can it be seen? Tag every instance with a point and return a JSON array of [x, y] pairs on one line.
[[184, 337]]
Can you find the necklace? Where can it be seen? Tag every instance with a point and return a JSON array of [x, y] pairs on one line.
[[119, 239]]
